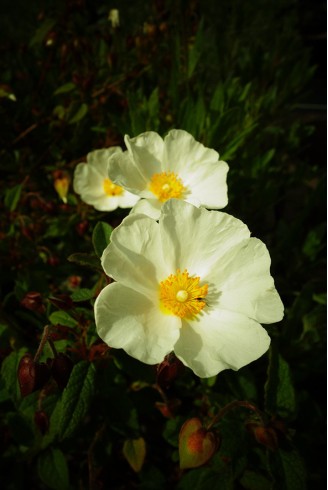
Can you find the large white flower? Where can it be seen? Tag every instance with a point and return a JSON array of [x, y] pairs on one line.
[[176, 167], [194, 283], [95, 188]]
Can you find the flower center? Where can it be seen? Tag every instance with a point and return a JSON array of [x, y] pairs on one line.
[[182, 295], [112, 189], [166, 185]]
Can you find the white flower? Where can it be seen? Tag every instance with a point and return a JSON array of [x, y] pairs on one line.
[[194, 283], [95, 188], [176, 167]]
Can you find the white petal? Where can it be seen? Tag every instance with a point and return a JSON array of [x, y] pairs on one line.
[[149, 207], [134, 257], [126, 319], [242, 279], [183, 154], [207, 185], [123, 171], [87, 182], [127, 200], [147, 151], [194, 238], [99, 159], [220, 340]]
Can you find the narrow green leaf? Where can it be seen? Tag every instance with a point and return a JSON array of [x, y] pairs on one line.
[[42, 31], [53, 469], [62, 318], [101, 236], [12, 196], [279, 390], [67, 87], [134, 451], [76, 398], [79, 114], [255, 481], [86, 260]]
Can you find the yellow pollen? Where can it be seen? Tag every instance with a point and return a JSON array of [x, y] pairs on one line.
[[166, 185], [112, 189], [182, 295]]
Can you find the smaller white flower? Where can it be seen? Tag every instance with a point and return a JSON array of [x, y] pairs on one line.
[[95, 188], [177, 167]]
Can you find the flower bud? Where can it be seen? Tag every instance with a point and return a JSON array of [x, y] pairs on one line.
[[264, 435], [61, 184], [31, 375], [196, 444], [61, 369], [169, 370], [33, 301]]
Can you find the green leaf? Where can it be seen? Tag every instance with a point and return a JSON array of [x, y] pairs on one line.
[[206, 479], [62, 318], [42, 31], [134, 451], [12, 196], [79, 114], [82, 294], [255, 481], [101, 236], [86, 260], [67, 87], [279, 390], [53, 469], [9, 373], [288, 470], [76, 398]]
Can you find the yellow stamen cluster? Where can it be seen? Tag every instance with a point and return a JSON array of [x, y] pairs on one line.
[[166, 185], [112, 189], [182, 295]]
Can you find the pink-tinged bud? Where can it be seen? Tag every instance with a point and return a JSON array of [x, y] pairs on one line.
[[33, 301], [264, 434], [61, 369], [61, 184], [82, 227], [41, 420], [169, 370], [196, 444]]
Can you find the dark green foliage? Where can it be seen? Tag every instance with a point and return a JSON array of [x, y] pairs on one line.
[[241, 78]]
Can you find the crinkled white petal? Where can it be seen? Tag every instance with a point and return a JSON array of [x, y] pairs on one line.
[[183, 154], [244, 284], [123, 171], [220, 340], [149, 207], [135, 255], [147, 151], [194, 238], [127, 319], [207, 185]]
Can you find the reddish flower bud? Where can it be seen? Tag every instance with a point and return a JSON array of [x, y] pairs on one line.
[[31, 375], [41, 420], [169, 370], [264, 435], [61, 369], [82, 227], [33, 301]]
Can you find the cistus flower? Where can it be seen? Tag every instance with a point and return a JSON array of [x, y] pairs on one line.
[[176, 167], [95, 188], [194, 283]]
